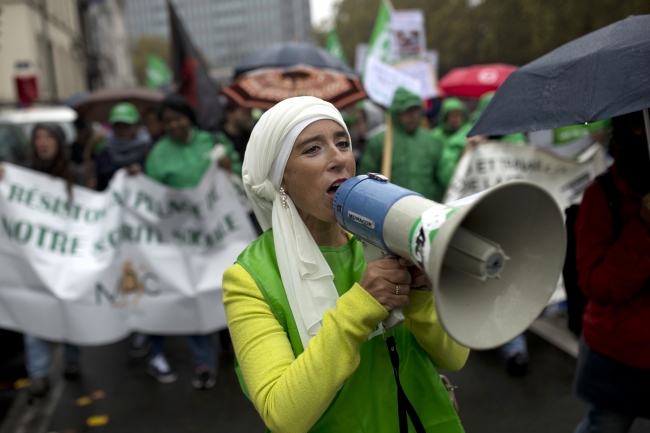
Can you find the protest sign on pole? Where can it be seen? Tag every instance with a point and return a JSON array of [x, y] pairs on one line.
[[93, 267], [424, 72], [397, 52], [407, 35], [492, 163], [382, 80]]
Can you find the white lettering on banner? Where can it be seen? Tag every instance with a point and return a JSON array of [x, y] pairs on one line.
[[139, 256], [492, 163]]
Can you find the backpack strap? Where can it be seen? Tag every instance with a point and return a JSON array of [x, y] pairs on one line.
[[613, 199]]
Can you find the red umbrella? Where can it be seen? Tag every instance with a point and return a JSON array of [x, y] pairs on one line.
[[475, 81]]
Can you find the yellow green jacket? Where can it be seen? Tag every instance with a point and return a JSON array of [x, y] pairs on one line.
[[293, 392]]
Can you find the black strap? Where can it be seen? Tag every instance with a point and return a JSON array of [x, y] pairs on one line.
[[613, 199], [404, 406]]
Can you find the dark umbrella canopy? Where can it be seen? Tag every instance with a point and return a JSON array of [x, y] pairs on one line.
[[600, 75], [95, 106], [290, 54]]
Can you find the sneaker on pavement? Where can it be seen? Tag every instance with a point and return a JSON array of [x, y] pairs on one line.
[[140, 346], [204, 379], [39, 386], [72, 370], [160, 369]]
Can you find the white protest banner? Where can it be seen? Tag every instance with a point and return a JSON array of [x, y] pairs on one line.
[[381, 81], [492, 163], [137, 257]]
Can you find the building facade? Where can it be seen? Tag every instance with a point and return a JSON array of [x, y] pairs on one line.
[[41, 39], [107, 43], [224, 30]]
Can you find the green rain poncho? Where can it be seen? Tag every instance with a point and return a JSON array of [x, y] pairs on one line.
[[452, 143], [415, 156], [182, 165]]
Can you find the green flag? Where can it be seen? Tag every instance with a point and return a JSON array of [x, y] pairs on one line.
[[379, 45], [334, 47], [158, 72]]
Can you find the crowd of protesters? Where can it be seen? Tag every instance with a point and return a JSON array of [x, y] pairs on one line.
[[178, 158], [612, 251]]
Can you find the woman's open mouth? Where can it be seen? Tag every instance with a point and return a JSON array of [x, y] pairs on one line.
[[334, 187]]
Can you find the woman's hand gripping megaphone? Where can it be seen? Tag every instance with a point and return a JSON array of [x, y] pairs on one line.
[[388, 279]]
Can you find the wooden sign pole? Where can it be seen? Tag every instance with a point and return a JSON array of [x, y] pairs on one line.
[[387, 158]]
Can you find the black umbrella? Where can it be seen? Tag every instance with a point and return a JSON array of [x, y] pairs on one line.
[[290, 54], [600, 75]]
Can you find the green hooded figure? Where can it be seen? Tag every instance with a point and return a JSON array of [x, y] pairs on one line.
[[451, 136], [415, 152]]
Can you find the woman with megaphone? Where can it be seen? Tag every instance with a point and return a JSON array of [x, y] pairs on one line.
[[305, 311]]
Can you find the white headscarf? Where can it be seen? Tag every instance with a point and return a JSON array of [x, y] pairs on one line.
[[306, 276]]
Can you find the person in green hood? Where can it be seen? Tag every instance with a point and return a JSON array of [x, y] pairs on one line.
[[415, 152], [451, 136]]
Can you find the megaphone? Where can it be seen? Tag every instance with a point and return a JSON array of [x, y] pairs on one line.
[[494, 258]]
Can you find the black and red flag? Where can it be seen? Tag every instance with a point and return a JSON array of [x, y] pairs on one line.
[[191, 75]]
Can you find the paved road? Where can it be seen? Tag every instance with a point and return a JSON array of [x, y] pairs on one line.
[[490, 400]]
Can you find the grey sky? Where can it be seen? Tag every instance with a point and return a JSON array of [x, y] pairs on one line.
[[321, 9]]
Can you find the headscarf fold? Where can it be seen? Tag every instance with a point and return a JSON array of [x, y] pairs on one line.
[[308, 281]]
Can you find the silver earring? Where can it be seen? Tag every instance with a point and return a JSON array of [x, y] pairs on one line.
[[283, 198]]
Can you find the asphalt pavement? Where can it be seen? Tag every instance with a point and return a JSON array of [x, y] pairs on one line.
[[116, 395]]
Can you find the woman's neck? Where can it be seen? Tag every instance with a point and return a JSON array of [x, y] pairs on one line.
[[325, 234]]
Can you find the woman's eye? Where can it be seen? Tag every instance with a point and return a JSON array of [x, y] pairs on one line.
[[312, 149], [343, 144]]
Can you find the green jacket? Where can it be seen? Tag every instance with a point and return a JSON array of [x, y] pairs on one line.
[[415, 156], [452, 144], [182, 165], [368, 400]]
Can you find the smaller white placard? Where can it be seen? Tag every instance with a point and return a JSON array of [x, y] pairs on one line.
[[382, 80]]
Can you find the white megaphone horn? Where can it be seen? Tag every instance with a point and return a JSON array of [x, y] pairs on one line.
[[493, 258]]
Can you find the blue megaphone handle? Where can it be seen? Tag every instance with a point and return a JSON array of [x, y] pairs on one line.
[[361, 205]]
